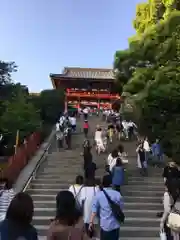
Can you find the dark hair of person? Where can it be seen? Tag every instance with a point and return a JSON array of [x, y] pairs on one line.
[[66, 211], [120, 148], [173, 187], [114, 153], [79, 180], [90, 182], [99, 129], [21, 209], [119, 162], [106, 181]]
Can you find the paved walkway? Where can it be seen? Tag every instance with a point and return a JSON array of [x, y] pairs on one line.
[[142, 195]]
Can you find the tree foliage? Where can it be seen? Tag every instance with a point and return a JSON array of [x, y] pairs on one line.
[[50, 104], [6, 69], [21, 111], [19, 115], [150, 67]]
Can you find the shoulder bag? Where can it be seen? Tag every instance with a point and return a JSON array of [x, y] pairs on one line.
[[76, 197], [116, 210], [173, 220]]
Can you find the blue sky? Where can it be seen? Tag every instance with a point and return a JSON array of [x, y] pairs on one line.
[[43, 36]]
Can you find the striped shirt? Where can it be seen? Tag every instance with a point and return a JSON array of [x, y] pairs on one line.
[[5, 199]]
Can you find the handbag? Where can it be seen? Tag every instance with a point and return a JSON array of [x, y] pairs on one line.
[[115, 208], [163, 235], [173, 220]]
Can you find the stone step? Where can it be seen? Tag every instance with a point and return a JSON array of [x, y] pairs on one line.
[[148, 193], [142, 195], [129, 221], [142, 199], [127, 205], [44, 211], [145, 179], [129, 232], [61, 171], [138, 199], [122, 238], [60, 179], [132, 187], [147, 182], [45, 191], [35, 185], [56, 181], [139, 238], [130, 193]]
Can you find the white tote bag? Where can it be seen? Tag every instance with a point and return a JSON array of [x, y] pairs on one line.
[[163, 235], [173, 221]]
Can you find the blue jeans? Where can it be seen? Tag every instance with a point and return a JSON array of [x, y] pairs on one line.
[[111, 235]]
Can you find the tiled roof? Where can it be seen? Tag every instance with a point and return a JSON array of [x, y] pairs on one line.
[[91, 73]]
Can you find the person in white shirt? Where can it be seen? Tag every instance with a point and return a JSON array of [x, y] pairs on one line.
[[99, 140], [147, 149], [77, 188], [111, 160], [85, 112], [122, 154], [61, 121], [6, 195], [131, 128], [57, 126], [73, 123], [59, 136], [171, 199], [125, 128], [87, 195]]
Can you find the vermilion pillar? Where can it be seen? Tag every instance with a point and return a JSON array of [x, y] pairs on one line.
[[65, 105]]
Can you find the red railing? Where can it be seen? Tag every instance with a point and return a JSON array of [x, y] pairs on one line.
[[23, 154], [94, 95]]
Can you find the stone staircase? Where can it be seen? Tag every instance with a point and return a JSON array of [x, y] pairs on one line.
[[142, 196], [143, 199]]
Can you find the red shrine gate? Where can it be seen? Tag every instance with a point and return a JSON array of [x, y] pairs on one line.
[[92, 87]]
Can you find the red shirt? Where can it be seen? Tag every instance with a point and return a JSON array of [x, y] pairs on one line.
[[86, 125]]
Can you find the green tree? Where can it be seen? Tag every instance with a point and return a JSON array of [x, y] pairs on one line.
[[19, 115], [6, 68], [151, 68], [50, 104]]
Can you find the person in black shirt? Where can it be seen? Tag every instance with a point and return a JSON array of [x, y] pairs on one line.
[[141, 159], [89, 166], [119, 129], [67, 135], [87, 153], [171, 171]]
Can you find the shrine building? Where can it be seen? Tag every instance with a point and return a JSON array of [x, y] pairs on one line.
[[94, 87]]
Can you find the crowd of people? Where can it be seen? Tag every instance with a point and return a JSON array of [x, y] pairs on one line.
[[149, 154], [65, 127], [93, 208]]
